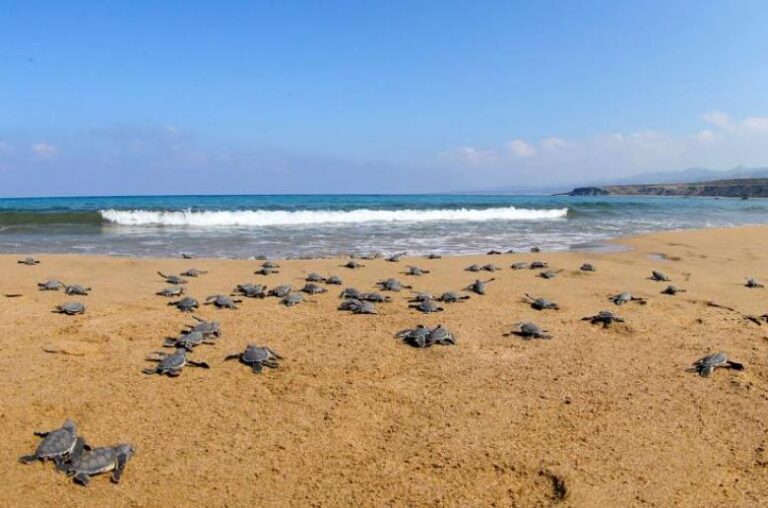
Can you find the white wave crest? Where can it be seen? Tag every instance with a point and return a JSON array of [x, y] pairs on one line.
[[304, 217]]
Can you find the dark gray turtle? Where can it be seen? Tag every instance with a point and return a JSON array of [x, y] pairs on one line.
[[270, 265], [266, 271], [28, 261], [292, 299], [350, 293], [473, 268], [519, 266], [350, 304], [186, 304], [530, 331], [373, 297], [364, 307], [313, 289], [538, 265], [672, 290], [280, 291], [251, 290], [493, 252], [587, 267], [256, 357], [706, 365], [90, 462], [172, 279], [626, 297], [395, 258], [392, 285], [441, 336], [193, 272], [427, 307], [372, 256], [753, 283], [490, 267], [50, 285], [659, 277], [56, 445], [549, 274], [451, 297], [352, 265], [172, 364], [70, 308], [510, 251], [171, 291], [416, 337], [77, 289], [479, 286], [335, 280], [433, 256], [222, 301], [535, 249], [604, 317], [186, 255], [415, 271], [421, 297], [205, 327], [188, 341], [315, 277], [541, 303]]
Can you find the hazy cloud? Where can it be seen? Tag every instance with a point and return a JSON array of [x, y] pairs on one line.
[[43, 150], [521, 148]]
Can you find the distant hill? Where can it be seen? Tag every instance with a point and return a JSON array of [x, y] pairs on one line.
[[732, 188]]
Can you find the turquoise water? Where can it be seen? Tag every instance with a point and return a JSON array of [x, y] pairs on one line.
[[290, 226]]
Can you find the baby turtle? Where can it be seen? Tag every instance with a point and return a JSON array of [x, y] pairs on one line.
[[28, 261], [264, 270], [433, 256], [373, 297], [335, 280], [659, 277], [530, 331], [77, 289], [519, 266], [350, 304], [292, 299], [441, 336], [537, 265], [672, 290], [549, 274], [270, 265], [587, 267], [172, 279], [604, 317], [350, 293], [493, 252], [478, 286], [421, 297], [70, 308], [222, 301], [490, 268], [315, 277], [187, 341], [313, 289], [427, 307], [172, 364], [56, 445], [171, 291], [626, 297], [50, 285], [451, 297], [186, 304], [473, 268], [753, 283], [353, 265], [257, 357], [423, 337], [706, 365], [91, 462], [541, 303], [535, 249], [251, 290], [363, 307], [395, 258], [280, 291], [392, 285], [416, 271], [186, 255], [193, 272], [205, 327]]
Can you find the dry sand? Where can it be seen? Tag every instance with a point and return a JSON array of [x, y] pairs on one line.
[[354, 417]]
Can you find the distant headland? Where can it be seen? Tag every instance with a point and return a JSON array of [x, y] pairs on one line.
[[732, 188]]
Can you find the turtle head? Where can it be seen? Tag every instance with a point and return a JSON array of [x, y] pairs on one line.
[[69, 425]]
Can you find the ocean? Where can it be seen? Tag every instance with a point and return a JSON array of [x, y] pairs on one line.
[[298, 226]]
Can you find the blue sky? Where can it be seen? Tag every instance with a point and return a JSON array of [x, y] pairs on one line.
[[356, 96]]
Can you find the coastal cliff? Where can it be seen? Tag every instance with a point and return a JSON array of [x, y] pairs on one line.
[[735, 188]]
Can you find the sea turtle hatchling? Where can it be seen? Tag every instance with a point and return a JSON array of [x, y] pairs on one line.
[[659, 276], [172, 364], [706, 365], [753, 283], [672, 290], [334, 280], [549, 274], [392, 285], [314, 277], [292, 299], [452, 297], [541, 303], [172, 279], [256, 357], [373, 297], [193, 272], [251, 290], [70, 308], [76, 289], [433, 256], [530, 331], [28, 261], [171, 291], [473, 268], [93, 461], [626, 297], [395, 258], [479, 286], [353, 265], [421, 297], [604, 317], [423, 337], [350, 304], [205, 327], [415, 271], [587, 267], [494, 252], [490, 267], [186, 304], [222, 301], [363, 307], [426, 306], [50, 285], [56, 445], [313, 289], [265, 270], [349, 293], [538, 265], [280, 291], [519, 266], [187, 341]]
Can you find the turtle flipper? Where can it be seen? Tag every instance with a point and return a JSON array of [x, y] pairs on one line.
[[202, 365], [41, 434], [735, 365], [257, 368], [60, 463], [706, 370], [82, 479], [122, 459], [28, 459]]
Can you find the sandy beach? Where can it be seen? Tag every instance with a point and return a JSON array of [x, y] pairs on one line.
[[353, 416]]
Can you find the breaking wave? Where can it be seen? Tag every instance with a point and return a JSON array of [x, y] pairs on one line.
[[256, 218]]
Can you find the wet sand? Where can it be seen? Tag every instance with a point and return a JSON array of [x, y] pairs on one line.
[[592, 417]]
